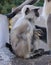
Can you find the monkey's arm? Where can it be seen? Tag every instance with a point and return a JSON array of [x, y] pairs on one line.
[[12, 14]]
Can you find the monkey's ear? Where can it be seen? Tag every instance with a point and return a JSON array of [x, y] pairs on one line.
[[27, 11]]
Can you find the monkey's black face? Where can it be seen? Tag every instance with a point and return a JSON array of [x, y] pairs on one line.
[[32, 14], [36, 12]]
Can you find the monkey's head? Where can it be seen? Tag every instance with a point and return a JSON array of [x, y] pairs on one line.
[[30, 12]]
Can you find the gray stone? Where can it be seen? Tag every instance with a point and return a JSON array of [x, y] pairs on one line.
[[7, 58]]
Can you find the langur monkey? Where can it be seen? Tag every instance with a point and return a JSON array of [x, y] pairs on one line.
[[26, 35], [22, 31]]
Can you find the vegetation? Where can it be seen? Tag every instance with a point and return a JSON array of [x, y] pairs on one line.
[[6, 5]]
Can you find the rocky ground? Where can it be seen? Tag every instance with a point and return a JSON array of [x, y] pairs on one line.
[[7, 58]]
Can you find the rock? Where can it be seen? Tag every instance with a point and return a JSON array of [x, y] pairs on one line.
[[7, 58]]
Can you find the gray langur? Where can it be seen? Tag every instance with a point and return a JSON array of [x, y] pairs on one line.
[[22, 31]]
